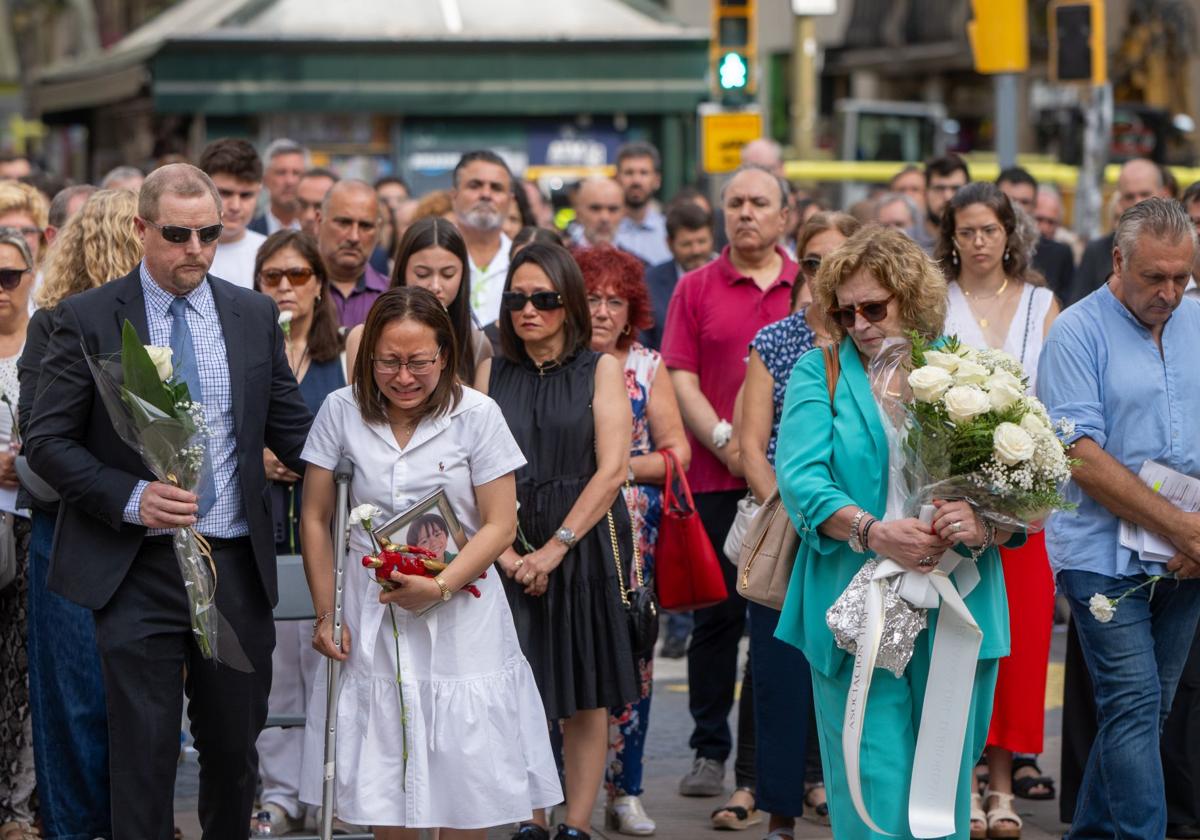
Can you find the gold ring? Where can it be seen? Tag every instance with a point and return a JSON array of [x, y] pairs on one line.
[[956, 527], [520, 562]]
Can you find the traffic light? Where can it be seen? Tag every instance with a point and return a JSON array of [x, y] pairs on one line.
[[999, 36], [1078, 51], [733, 49]]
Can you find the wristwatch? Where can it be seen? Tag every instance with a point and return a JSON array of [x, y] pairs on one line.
[[722, 433], [446, 593], [566, 536]]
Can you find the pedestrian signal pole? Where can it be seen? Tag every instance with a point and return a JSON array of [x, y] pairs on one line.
[[999, 36]]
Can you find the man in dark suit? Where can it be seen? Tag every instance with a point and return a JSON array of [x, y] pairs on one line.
[[112, 548], [690, 238], [1053, 260]]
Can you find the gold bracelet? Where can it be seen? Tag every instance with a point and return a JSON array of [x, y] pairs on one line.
[[321, 618], [446, 593]]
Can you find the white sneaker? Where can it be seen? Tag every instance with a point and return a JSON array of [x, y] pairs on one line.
[[626, 815]]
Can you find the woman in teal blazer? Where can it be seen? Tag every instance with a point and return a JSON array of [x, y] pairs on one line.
[[832, 465]]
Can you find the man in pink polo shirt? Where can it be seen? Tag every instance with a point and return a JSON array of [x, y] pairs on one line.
[[713, 315]]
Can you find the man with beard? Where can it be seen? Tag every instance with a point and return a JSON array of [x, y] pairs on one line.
[[714, 313], [598, 207], [642, 231], [690, 238], [314, 185], [481, 194], [944, 177], [349, 226]]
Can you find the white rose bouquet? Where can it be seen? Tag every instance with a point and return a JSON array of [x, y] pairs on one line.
[[971, 431]]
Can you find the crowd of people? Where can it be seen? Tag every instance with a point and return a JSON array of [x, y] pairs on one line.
[[548, 382]]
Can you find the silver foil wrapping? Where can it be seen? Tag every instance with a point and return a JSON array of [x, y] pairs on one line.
[[901, 621]]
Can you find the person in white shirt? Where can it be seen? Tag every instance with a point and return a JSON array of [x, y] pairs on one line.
[[237, 171], [481, 194]]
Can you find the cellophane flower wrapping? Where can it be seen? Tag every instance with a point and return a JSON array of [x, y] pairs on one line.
[[968, 429], [154, 414]]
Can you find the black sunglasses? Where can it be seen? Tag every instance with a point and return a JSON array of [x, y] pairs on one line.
[[874, 311], [515, 301], [178, 234], [10, 278]]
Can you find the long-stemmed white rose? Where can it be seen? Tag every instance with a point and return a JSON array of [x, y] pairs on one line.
[[929, 384], [1012, 444], [966, 402]]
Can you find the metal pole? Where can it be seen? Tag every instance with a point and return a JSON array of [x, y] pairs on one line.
[[804, 86], [1006, 119], [342, 475], [1087, 216]]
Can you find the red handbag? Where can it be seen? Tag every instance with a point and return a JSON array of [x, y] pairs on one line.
[[686, 570]]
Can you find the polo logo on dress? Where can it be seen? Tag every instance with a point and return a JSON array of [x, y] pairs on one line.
[[441, 466]]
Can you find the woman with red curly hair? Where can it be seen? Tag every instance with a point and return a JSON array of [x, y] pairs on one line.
[[620, 309]]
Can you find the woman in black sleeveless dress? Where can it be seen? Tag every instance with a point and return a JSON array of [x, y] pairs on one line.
[[567, 408]]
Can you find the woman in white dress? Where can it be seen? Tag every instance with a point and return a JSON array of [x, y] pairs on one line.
[[996, 300], [473, 750]]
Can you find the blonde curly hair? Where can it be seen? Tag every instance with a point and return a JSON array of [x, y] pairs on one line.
[[899, 265], [19, 197], [99, 243]]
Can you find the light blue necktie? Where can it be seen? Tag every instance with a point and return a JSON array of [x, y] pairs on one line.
[[183, 359]]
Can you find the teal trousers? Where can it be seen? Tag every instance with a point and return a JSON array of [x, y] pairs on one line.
[[889, 742]]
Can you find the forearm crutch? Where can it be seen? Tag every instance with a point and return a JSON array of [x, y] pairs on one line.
[[341, 478]]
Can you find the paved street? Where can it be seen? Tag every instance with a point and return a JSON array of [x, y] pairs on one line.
[[667, 758]]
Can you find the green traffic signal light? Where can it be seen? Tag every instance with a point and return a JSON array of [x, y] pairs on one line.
[[733, 73]]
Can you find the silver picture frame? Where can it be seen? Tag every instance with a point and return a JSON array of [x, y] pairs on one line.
[[395, 530]]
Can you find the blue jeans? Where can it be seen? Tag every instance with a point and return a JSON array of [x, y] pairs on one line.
[[1135, 662], [66, 695]]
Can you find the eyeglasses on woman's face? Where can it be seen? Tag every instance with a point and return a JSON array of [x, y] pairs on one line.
[[873, 312], [544, 301], [417, 367], [969, 235], [296, 276]]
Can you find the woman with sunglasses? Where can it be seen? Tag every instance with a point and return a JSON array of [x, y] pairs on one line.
[[469, 748], [832, 465], [288, 269], [70, 737], [620, 307], [16, 725], [780, 673], [997, 300], [569, 411]]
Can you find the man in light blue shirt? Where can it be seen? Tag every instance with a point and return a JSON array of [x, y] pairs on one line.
[[642, 230], [1122, 366]]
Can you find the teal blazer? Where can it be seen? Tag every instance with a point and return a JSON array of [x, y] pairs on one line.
[[824, 463]]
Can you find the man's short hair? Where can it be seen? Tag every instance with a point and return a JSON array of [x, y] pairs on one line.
[[890, 198], [785, 189], [945, 166], [284, 146], [1192, 193], [905, 171], [485, 155], [1160, 218], [639, 149], [62, 202], [1017, 175], [181, 179], [234, 157], [120, 173], [687, 215], [320, 172], [391, 179]]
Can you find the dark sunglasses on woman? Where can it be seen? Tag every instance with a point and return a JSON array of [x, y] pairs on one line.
[[178, 234], [544, 301], [272, 277], [874, 311], [10, 278]]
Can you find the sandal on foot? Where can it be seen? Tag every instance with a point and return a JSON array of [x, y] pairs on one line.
[[530, 831], [979, 826], [1002, 821], [1026, 786], [19, 831], [820, 810], [736, 817]]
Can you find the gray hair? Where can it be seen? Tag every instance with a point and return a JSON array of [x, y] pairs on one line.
[[899, 198], [14, 237], [118, 174], [785, 189], [62, 202], [1158, 218], [180, 179], [284, 146]]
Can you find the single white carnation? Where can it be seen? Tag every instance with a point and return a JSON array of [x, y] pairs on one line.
[[970, 373], [363, 514], [1012, 444], [161, 356], [966, 402], [1102, 608], [929, 383], [946, 361], [285, 317]]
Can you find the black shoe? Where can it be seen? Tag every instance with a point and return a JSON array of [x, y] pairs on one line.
[[673, 648], [565, 832], [1183, 832], [530, 831]]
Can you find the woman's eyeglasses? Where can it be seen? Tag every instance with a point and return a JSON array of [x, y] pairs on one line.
[[416, 367], [873, 311], [10, 278], [178, 234], [298, 276], [967, 236], [544, 301]]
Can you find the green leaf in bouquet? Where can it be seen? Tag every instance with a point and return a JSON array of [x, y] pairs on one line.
[[139, 373]]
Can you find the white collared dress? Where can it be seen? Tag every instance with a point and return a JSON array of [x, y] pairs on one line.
[[479, 749]]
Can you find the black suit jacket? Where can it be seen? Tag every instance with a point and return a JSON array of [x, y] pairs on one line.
[[660, 283], [1093, 271], [73, 446], [259, 225], [1056, 263]]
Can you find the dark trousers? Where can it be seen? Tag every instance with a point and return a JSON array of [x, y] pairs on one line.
[[1181, 745], [150, 659], [712, 655]]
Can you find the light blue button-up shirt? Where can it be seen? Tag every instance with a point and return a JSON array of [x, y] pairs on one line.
[[647, 239], [1101, 369], [227, 517]]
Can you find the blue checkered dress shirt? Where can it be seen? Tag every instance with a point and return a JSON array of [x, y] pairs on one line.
[[227, 517]]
